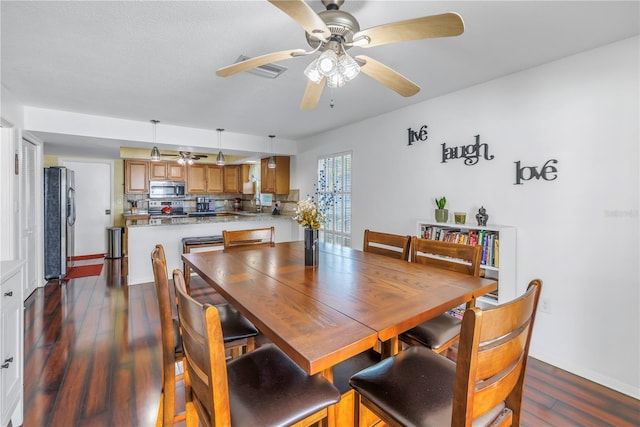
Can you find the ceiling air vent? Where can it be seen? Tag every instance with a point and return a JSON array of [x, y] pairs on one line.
[[270, 70]]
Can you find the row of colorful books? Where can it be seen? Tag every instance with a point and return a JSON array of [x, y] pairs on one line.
[[489, 240]]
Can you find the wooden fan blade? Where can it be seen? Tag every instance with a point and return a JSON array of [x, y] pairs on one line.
[[250, 63], [388, 77], [312, 94], [445, 25], [306, 17]]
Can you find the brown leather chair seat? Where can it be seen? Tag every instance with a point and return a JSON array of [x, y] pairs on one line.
[[261, 388], [420, 388], [344, 370], [436, 332], [415, 387], [234, 325], [278, 392]]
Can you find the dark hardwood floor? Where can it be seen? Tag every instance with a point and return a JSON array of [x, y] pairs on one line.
[[92, 358]]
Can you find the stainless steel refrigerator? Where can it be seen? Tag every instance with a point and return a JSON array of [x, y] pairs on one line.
[[59, 219]]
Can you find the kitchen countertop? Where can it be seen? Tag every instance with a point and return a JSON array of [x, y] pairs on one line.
[[225, 217]]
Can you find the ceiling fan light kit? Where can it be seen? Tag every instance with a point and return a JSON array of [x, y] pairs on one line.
[[336, 65], [333, 31]]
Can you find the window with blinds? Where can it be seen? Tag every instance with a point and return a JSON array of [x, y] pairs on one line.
[[334, 176]]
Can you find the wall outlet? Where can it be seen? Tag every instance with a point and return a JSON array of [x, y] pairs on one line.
[[545, 305]]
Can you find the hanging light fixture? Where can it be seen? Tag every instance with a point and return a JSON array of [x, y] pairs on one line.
[[220, 161], [334, 64], [155, 153], [271, 164]]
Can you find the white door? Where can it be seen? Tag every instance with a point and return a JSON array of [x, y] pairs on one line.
[[94, 194], [29, 173]]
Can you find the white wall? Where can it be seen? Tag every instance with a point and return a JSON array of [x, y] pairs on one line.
[[578, 233], [12, 120]]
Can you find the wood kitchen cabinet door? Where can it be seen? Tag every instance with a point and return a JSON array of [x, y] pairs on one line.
[[232, 179], [215, 179], [275, 181], [157, 170], [166, 171], [196, 179], [175, 171], [136, 176]]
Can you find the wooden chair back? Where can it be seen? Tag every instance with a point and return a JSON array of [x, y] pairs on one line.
[[492, 359], [251, 238], [206, 386], [450, 256], [166, 410], [391, 245]]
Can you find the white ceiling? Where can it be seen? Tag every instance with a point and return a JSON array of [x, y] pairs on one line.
[[143, 60]]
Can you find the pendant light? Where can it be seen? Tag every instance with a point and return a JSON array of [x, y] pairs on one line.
[[271, 164], [220, 161], [155, 153]]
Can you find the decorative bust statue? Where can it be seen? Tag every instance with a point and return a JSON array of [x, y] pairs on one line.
[[482, 216]]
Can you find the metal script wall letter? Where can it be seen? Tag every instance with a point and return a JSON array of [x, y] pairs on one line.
[[417, 135], [548, 172], [471, 153]]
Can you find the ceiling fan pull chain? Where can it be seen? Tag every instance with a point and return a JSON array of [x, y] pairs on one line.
[[331, 103]]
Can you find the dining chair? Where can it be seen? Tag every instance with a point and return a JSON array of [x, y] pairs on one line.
[[442, 331], [391, 245], [239, 333], [417, 387], [249, 238], [171, 343], [263, 387]]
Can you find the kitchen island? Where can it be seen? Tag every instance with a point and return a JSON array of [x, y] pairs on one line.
[[143, 235]]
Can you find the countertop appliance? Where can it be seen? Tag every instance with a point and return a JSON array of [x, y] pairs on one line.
[[202, 204], [166, 189], [59, 220]]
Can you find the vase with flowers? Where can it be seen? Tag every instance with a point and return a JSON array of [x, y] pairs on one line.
[[311, 213]]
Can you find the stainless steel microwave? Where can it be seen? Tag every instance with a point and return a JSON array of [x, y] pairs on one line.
[[166, 189]]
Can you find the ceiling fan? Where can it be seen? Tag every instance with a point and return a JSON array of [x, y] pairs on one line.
[[333, 31], [186, 157]]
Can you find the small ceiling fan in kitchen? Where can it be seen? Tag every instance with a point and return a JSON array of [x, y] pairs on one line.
[[186, 157], [332, 32]]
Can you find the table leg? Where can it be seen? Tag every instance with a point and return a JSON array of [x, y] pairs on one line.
[[390, 347]]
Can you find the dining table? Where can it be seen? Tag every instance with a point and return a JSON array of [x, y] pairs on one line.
[[350, 302]]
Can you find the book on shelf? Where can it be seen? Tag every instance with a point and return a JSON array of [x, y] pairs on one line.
[[488, 240], [457, 312]]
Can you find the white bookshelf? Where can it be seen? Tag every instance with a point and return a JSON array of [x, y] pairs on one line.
[[504, 253]]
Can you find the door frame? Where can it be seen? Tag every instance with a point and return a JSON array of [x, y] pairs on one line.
[[108, 162], [37, 195]]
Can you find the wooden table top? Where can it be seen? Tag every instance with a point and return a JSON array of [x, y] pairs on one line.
[[323, 315]]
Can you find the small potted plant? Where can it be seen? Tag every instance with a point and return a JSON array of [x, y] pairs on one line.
[[442, 214]]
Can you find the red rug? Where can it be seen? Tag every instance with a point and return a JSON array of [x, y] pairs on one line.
[[83, 271]]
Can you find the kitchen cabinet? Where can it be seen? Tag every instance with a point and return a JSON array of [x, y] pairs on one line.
[[205, 179], [276, 180], [136, 176], [215, 179], [11, 342], [232, 180], [196, 179], [166, 171]]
